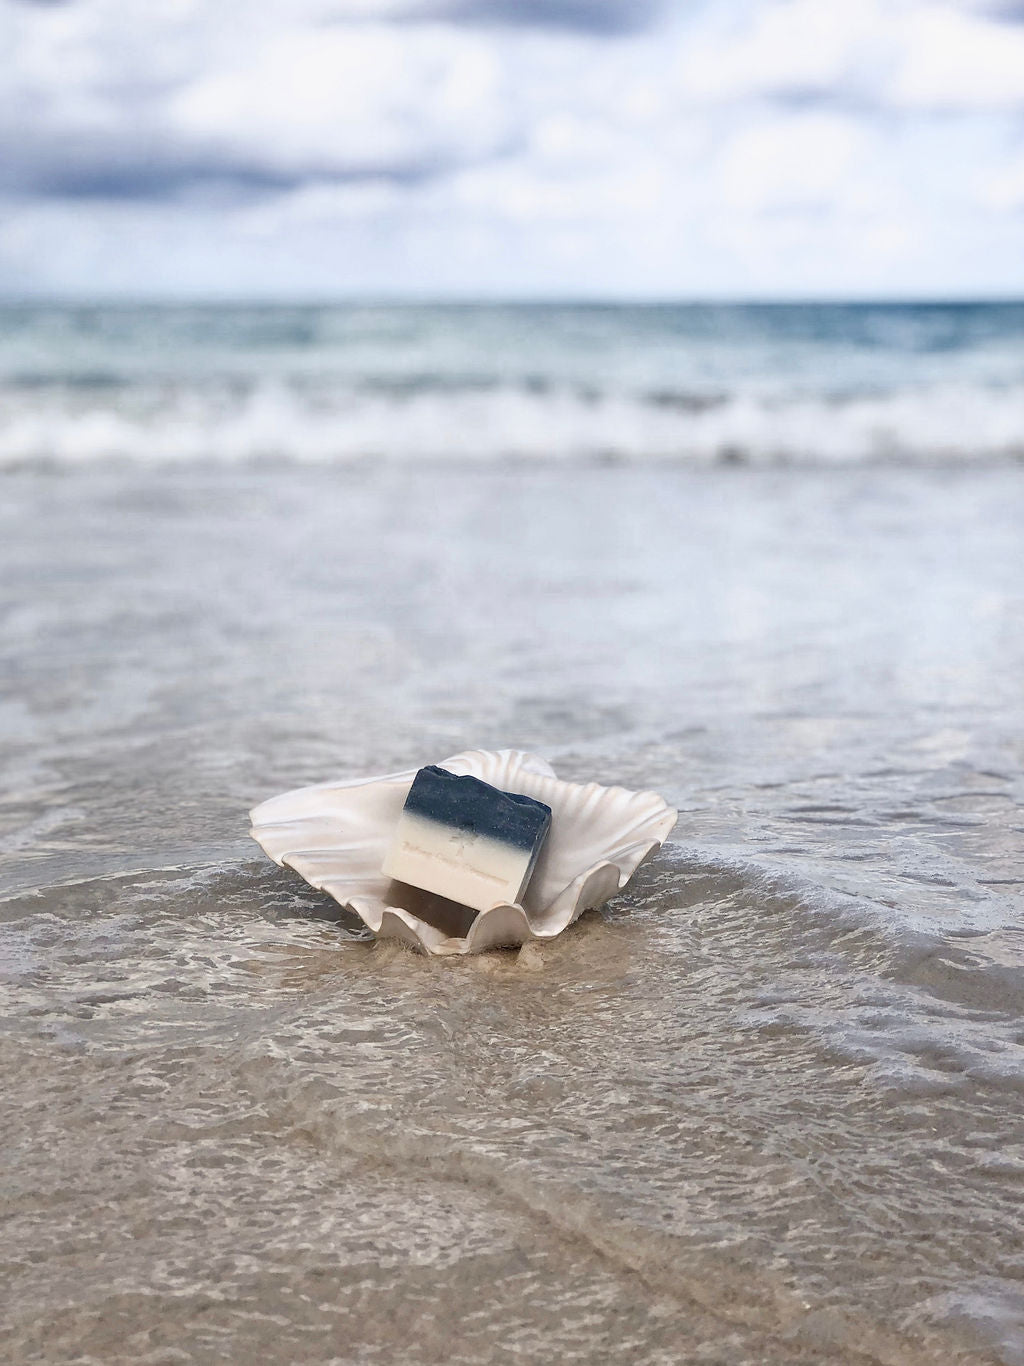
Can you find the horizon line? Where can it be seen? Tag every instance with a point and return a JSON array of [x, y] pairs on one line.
[[412, 299]]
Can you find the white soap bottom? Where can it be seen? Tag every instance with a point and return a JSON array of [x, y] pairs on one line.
[[474, 870]]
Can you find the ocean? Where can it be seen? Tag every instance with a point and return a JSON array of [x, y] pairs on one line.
[[766, 1106], [321, 385]]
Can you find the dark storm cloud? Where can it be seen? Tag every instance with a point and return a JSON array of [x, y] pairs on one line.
[[141, 156], [117, 178], [164, 173], [606, 17], [584, 16], [1003, 11], [835, 99]]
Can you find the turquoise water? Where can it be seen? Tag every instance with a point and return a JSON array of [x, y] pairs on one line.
[[764, 384]]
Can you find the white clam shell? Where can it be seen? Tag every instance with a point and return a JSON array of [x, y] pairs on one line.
[[336, 834]]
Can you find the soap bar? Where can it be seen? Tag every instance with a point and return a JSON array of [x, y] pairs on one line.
[[466, 840]]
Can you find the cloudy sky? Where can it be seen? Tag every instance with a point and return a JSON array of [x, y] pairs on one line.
[[751, 148]]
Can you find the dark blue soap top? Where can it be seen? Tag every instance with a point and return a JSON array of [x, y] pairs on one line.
[[466, 803]]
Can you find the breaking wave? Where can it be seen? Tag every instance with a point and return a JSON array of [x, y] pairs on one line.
[[276, 421]]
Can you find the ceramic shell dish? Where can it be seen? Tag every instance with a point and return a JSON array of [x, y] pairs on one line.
[[335, 835]]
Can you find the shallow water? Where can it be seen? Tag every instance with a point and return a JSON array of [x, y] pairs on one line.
[[765, 1107]]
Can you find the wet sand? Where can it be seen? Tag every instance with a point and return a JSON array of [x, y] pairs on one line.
[[763, 1108]]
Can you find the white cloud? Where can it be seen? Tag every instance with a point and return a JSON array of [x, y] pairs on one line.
[[742, 145], [1004, 190], [351, 102], [876, 55], [800, 47], [954, 61], [792, 162]]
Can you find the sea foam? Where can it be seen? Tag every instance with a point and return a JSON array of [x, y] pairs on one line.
[[274, 421]]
